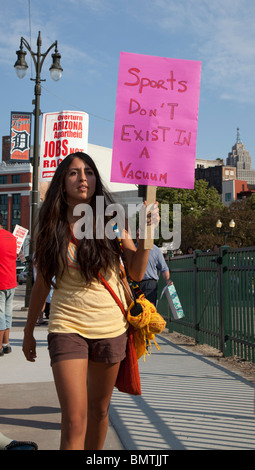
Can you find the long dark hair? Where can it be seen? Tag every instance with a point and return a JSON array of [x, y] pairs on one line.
[[54, 232]]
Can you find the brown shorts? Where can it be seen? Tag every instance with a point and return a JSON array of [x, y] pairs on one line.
[[63, 346]]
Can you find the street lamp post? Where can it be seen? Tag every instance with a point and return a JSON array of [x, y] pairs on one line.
[[56, 72], [224, 232]]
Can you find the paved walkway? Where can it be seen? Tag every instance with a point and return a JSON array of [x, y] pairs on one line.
[[189, 402]]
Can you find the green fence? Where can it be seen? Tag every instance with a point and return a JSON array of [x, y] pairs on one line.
[[217, 295]]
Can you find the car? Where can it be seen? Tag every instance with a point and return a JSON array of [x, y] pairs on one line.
[[22, 276]]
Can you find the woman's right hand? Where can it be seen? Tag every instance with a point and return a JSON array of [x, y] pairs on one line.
[[38, 297], [29, 347]]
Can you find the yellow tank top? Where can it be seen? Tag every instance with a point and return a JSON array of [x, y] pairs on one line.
[[89, 311]]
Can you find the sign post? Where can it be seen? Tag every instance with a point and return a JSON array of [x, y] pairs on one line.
[[150, 199]]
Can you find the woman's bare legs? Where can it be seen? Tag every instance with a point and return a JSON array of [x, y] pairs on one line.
[[84, 401], [101, 381], [71, 383]]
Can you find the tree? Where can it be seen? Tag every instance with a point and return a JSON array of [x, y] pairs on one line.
[[201, 207], [196, 207], [201, 232], [196, 200], [243, 213]]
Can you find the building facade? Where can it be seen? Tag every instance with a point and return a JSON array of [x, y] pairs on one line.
[[232, 190], [215, 175], [240, 158], [6, 145], [203, 163], [15, 187]]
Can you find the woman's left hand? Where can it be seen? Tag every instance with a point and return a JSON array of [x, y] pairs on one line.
[[149, 216], [153, 217]]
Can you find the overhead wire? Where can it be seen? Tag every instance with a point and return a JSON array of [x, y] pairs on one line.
[[30, 35], [50, 92], [77, 107]]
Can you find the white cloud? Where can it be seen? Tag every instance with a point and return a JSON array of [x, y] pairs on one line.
[[219, 33], [96, 6]]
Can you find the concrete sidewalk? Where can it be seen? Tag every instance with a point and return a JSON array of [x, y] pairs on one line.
[[188, 401]]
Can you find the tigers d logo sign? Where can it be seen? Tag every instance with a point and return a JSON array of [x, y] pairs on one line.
[[20, 136]]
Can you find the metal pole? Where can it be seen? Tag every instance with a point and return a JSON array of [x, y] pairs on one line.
[[195, 294], [35, 192], [38, 59], [37, 92], [221, 301]]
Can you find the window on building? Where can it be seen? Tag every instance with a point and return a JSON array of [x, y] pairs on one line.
[[227, 197], [15, 178], [4, 208], [15, 210], [3, 179]]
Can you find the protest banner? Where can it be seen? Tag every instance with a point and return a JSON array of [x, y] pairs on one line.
[[156, 121], [155, 127], [62, 133], [20, 136], [20, 233], [22, 257]]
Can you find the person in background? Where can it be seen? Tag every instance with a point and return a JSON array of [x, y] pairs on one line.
[[156, 266], [216, 247], [48, 302], [8, 283]]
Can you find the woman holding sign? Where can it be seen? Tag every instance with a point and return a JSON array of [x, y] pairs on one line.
[[87, 330]]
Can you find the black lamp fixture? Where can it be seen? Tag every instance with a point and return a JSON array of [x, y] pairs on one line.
[[21, 65], [56, 69], [224, 232], [38, 58]]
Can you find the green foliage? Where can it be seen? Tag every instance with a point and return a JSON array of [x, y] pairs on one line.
[[252, 201], [193, 201], [200, 209]]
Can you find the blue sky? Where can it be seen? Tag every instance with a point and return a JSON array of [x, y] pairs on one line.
[[92, 33]]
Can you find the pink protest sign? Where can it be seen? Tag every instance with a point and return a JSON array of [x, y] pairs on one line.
[[156, 121]]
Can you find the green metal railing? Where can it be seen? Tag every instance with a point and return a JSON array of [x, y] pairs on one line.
[[217, 295]]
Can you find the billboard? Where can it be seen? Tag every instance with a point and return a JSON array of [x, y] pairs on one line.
[[63, 132], [20, 136]]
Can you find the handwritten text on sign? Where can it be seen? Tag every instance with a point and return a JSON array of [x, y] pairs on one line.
[[62, 133], [156, 121], [20, 233]]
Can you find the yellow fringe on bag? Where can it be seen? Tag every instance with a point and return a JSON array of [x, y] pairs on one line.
[[148, 323]]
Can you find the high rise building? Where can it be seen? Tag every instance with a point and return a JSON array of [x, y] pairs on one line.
[[241, 159]]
